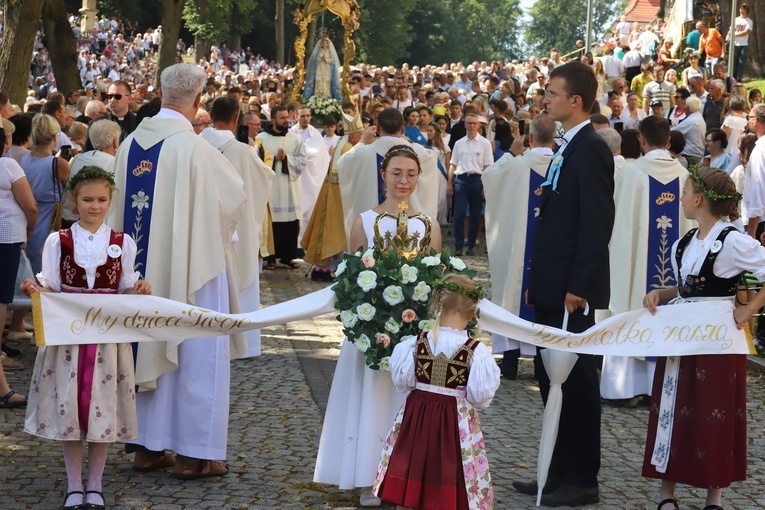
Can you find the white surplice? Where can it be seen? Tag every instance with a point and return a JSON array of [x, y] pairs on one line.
[[285, 200], [358, 173], [506, 187], [257, 179], [362, 406], [625, 377], [199, 199], [317, 164]]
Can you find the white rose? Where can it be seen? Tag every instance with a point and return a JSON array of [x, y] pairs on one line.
[[421, 292], [393, 295], [385, 364], [426, 325], [392, 326], [348, 318], [369, 253], [367, 280], [408, 274], [362, 342], [365, 311], [407, 338], [340, 268], [457, 263], [431, 261]]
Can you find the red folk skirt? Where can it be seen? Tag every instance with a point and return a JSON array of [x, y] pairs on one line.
[[425, 469], [708, 446]]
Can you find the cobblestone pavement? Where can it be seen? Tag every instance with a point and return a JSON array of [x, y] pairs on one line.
[[277, 405]]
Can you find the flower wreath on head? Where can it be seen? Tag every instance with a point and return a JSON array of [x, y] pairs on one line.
[[711, 194], [383, 298]]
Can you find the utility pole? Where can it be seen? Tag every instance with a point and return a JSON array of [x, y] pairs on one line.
[[732, 37], [588, 34]]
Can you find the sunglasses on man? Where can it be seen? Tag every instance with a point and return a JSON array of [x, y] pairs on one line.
[[115, 96]]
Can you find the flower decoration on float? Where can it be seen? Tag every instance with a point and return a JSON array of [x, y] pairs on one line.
[[383, 293]]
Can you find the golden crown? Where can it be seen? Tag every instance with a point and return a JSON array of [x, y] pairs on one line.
[[404, 244]]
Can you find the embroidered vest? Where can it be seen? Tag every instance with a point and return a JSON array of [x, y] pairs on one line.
[[74, 278], [440, 370], [705, 284]]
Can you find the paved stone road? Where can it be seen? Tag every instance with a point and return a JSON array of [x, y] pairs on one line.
[[277, 404]]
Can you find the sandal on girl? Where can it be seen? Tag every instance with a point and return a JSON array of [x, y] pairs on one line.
[[72, 507], [666, 502], [5, 402], [94, 506], [11, 364], [713, 507], [270, 266], [192, 469]]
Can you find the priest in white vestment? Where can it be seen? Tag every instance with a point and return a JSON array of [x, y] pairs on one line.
[[512, 187], [317, 164], [257, 179], [289, 161], [359, 171], [649, 219], [181, 200]]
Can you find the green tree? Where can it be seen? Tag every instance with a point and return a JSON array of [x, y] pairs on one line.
[[63, 53], [384, 35], [491, 29], [559, 23], [18, 41], [436, 33]]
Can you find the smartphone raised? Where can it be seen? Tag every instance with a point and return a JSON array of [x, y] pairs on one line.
[[66, 152], [243, 133]]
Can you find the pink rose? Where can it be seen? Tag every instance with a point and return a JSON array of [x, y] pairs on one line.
[[463, 435], [469, 471], [408, 315], [368, 261], [480, 444], [481, 464], [383, 339]]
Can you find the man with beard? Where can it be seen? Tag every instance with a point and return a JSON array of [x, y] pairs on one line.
[[289, 161]]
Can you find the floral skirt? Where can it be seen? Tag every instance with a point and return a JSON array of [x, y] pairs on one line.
[[73, 397], [708, 444], [434, 457]]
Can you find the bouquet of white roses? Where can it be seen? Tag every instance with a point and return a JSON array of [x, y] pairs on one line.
[[383, 298], [322, 106]]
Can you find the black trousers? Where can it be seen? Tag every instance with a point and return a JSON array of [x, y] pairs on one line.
[[576, 457], [285, 240]]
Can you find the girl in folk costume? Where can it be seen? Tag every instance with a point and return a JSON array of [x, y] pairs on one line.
[[697, 421], [85, 392], [363, 403], [435, 457]]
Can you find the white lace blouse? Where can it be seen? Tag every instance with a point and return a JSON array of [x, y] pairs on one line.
[[740, 252], [90, 252], [484, 372]]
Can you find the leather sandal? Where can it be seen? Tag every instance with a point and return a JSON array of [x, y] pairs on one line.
[[5, 401], [143, 463], [668, 501], [713, 507], [192, 469]]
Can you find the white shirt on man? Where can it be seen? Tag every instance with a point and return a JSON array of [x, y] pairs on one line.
[[470, 157], [741, 25]]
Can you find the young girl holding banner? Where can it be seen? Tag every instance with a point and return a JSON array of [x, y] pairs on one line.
[[697, 422], [85, 392]]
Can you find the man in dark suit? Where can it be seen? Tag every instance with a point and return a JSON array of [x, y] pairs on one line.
[[569, 272], [119, 95]]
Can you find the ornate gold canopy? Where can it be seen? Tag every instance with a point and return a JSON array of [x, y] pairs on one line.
[[348, 12]]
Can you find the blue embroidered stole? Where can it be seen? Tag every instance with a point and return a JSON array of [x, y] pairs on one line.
[[664, 216], [380, 183], [140, 179], [532, 213]]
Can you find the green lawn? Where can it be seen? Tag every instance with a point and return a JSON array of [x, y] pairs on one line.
[[759, 83]]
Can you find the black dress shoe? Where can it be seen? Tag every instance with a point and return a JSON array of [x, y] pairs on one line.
[[531, 488], [571, 495]]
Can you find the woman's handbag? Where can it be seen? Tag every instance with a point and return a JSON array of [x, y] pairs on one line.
[[58, 199]]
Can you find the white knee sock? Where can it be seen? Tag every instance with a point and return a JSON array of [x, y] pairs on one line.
[[73, 463]]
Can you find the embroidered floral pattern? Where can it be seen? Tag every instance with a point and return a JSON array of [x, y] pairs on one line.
[[140, 202], [664, 273]]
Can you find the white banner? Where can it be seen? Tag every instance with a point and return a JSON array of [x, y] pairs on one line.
[[679, 330]]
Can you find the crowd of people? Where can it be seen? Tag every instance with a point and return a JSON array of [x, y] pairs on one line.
[[584, 142]]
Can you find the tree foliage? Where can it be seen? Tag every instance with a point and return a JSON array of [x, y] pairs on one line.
[[559, 23], [385, 31]]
